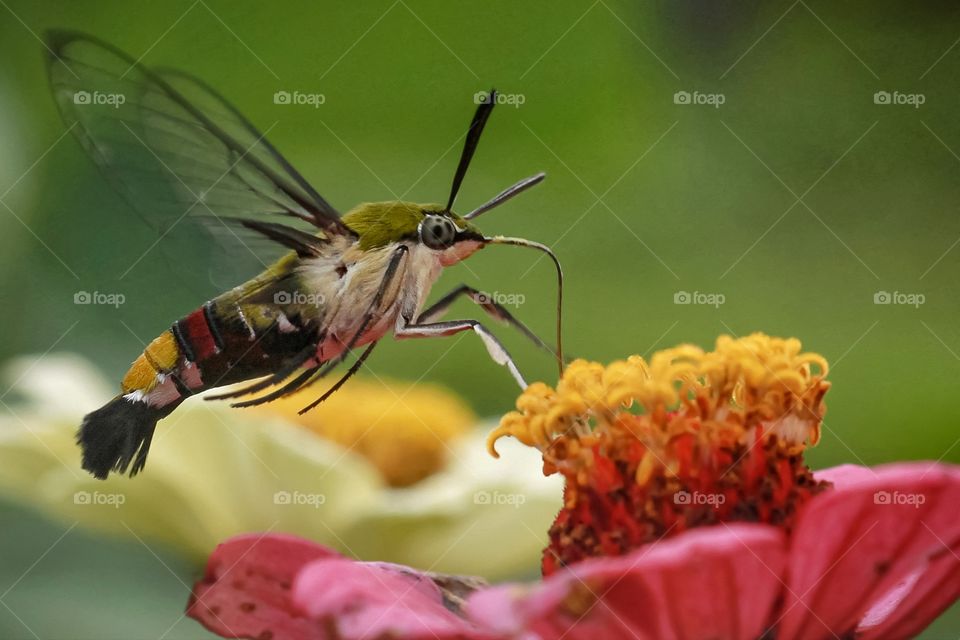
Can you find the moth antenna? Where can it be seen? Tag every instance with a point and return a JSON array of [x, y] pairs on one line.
[[521, 242], [506, 194], [480, 117]]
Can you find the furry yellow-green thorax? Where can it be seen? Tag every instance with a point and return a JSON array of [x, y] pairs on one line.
[[381, 223]]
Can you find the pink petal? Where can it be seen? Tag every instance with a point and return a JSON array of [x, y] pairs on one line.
[[916, 602], [717, 582], [844, 474], [245, 592], [855, 544], [376, 600]]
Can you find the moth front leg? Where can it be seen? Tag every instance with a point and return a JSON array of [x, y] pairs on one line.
[[492, 308], [407, 329]]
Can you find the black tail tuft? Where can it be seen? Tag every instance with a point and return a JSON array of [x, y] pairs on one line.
[[117, 434]]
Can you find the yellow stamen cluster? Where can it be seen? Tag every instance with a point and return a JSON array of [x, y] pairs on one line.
[[691, 438], [744, 383]]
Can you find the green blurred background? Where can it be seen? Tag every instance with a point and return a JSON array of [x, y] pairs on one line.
[[645, 198]]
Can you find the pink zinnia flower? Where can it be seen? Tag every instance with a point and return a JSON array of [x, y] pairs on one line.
[[688, 513]]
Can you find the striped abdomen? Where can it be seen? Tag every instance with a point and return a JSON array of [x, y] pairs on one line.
[[220, 343]]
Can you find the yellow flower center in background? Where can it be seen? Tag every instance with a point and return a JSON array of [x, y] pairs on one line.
[[401, 427], [649, 449]]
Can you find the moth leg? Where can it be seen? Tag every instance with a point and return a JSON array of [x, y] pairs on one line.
[[339, 383], [407, 329], [493, 309], [305, 378], [391, 271], [308, 377], [276, 378]]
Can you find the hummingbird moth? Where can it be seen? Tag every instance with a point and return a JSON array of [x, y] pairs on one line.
[[178, 150]]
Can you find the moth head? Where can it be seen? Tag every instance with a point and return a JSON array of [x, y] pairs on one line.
[[379, 224]]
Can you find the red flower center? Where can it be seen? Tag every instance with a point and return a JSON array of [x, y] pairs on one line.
[[690, 439]]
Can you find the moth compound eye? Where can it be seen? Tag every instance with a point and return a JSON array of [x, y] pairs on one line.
[[437, 232]]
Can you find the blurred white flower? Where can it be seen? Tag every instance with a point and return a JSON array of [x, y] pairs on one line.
[[215, 472]]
